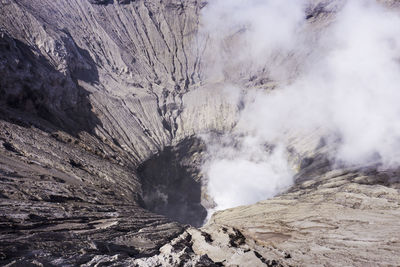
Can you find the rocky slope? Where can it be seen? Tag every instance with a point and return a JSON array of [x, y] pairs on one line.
[[89, 90], [100, 102]]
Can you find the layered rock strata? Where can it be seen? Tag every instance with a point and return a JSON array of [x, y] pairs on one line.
[[97, 96]]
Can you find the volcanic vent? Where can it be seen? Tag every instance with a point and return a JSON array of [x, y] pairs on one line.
[[172, 183]]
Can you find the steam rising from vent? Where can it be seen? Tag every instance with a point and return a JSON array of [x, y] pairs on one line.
[[243, 35], [338, 77], [244, 171]]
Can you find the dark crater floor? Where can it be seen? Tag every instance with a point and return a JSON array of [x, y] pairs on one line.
[[172, 182]]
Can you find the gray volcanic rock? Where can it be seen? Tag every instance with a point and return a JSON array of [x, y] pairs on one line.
[[100, 2], [88, 92], [342, 218], [105, 2], [99, 105]]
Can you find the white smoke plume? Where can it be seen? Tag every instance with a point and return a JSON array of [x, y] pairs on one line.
[[246, 34], [341, 78]]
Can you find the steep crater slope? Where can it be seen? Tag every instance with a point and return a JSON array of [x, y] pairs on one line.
[[89, 91], [100, 102]]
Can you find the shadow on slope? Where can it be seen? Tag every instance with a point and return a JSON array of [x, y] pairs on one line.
[[33, 90], [171, 183]]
